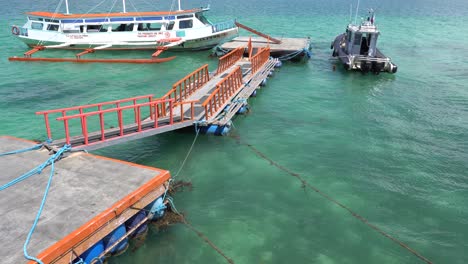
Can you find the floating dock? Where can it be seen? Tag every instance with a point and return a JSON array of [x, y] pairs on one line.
[[287, 49], [284, 49], [92, 205]]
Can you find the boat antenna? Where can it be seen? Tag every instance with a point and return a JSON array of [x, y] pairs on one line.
[[123, 4], [66, 6], [180, 9], [357, 10], [350, 13]]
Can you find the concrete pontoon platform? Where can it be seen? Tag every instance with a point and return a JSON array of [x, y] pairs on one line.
[[287, 45], [89, 196]]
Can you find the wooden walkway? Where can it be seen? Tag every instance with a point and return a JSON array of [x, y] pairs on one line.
[[199, 98]]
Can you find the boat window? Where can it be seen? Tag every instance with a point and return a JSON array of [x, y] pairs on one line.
[[122, 27], [36, 25], [71, 31], [170, 26], [149, 26], [95, 28], [36, 18], [52, 27], [357, 38], [202, 18], [51, 20], [365, 44], [185, 16], [186, 24]]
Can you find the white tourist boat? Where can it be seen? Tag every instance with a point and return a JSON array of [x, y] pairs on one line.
[[178, 29]]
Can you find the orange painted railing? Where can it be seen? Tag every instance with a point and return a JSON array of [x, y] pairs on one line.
[[225, 89], [229, 59], [188, 85], [260, 59], [154, 108], [92, 107]]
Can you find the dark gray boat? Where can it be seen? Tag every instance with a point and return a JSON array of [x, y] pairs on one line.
[[357, 48]]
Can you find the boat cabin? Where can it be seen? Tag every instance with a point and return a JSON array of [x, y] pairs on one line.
[[362, 39], [117, 22]]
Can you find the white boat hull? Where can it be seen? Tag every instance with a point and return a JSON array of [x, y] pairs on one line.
[[127, 40]]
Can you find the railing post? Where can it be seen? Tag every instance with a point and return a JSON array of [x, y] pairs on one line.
[[216, 100], [101, 121], [119, 114], [82, 125], [211, 106], [67, 132], [163, 108], [138, 110], [181, 112], [85, 129], [134, 110], [192, 110], [150, 99], [156, 115], [171, 118], [49, 133]]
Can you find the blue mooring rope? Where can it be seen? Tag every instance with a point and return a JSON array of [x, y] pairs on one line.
[[38, 146], [36, 170], [294, 54], [48, 162]]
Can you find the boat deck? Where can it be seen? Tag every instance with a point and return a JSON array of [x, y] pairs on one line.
[[86, 190]]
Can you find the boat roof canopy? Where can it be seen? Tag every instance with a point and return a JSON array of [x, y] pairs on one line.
[[364, 29], [104, 15]]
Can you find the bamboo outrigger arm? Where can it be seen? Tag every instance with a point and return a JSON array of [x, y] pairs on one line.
[[37, 48], [153, 59], [276, 41]]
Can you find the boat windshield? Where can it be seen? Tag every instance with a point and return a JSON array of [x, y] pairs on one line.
[[202, 18]]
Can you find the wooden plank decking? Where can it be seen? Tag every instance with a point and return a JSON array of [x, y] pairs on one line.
[[287, 45]]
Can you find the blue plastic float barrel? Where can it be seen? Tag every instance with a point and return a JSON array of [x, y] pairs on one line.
[[278, 64], [243, 110], [156, 209], [113, 237], [217, 130], [134, 221], [264, 82], [254, 94], [91, 253], [270, 74]]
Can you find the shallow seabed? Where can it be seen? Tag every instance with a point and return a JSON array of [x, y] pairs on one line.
[[391, 147]]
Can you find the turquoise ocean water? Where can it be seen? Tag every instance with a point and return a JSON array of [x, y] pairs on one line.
[[391, 147]]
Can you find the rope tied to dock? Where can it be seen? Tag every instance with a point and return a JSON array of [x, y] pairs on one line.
[[197, 132], [51, 161], [294, 54], [36, 170], [36, 147], [329, 198]]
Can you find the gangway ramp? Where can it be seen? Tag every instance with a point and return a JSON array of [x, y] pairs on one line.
[[199, 99]]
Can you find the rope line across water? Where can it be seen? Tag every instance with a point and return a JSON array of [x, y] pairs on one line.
[[329, 198], [208, 241]]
